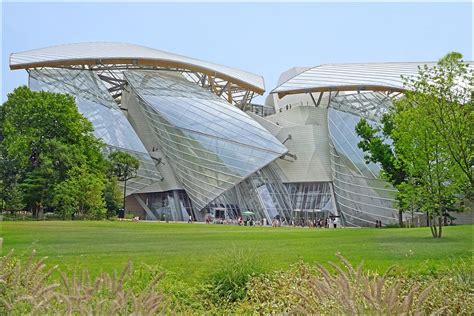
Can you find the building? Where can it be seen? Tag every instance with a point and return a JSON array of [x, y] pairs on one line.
[[206, 151]]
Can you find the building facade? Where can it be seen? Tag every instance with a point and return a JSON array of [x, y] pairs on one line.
[[207, 151]]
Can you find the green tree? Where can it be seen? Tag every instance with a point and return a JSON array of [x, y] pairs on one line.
[[112, 196], [430, 167], [444, 95], [37, 187], [431, 158], [81, 193], [42, 138], [12, 198], [124, 167]]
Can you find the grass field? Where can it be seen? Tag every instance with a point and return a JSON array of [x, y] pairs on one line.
[[192, 250]]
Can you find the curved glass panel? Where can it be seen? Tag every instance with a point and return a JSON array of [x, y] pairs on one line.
[[262, 193], [362, 197], [210, 144]]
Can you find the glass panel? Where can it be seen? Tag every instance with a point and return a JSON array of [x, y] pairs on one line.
[[362, 197], [210, 144]]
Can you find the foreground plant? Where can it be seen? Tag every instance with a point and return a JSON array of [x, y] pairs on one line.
[[343, 289], [228, 282], [354, 292], [239, 286], [28, 288]]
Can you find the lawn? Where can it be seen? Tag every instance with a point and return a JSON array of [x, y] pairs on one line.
[[192, 250]]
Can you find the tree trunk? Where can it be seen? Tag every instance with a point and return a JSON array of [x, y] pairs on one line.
[[436, 225], [440, 221], [124, 195], [400, 218], [434, 230]]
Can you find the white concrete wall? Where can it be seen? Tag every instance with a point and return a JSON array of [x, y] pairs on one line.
[[310, 142]]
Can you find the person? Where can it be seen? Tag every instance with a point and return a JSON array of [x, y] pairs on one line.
[[264, 221], [190, 220]]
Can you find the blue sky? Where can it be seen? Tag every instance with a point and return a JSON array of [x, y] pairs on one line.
[[264, 38]]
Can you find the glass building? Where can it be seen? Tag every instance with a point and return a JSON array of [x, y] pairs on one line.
[[208, 152]]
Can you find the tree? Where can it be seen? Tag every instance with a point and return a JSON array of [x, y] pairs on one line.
[[81, 193], [37, 187], [12, 197], [124, 167], [42, 138], [112, 196], [422, 151], [430, 160], [444, 94]]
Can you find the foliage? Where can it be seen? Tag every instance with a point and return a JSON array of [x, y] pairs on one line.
[[112, 196], [29, 289], [12, 197], [124, 165], [50, 159], [228, 282], [307, 289], [81, 193], [444, 94], [375, 142], [431, 126]]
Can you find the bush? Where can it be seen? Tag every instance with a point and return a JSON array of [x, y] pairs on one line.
[[305, 289], [228, 282]]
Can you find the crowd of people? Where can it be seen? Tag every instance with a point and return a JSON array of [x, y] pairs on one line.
[[331, 222]]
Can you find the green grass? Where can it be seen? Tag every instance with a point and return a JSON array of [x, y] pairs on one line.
[[193, 250]]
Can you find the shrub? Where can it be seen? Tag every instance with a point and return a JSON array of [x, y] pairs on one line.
[[307, 289], [228, 282]]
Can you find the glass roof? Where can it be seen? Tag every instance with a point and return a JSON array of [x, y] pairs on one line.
[[346, 77], [93, 53]]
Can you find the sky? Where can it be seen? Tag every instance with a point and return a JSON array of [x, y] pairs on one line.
[[263, 38]]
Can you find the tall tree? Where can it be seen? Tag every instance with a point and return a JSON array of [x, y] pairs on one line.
[[124, 167], [42, 138], [444, 94], [430, 160], [428, 165]]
